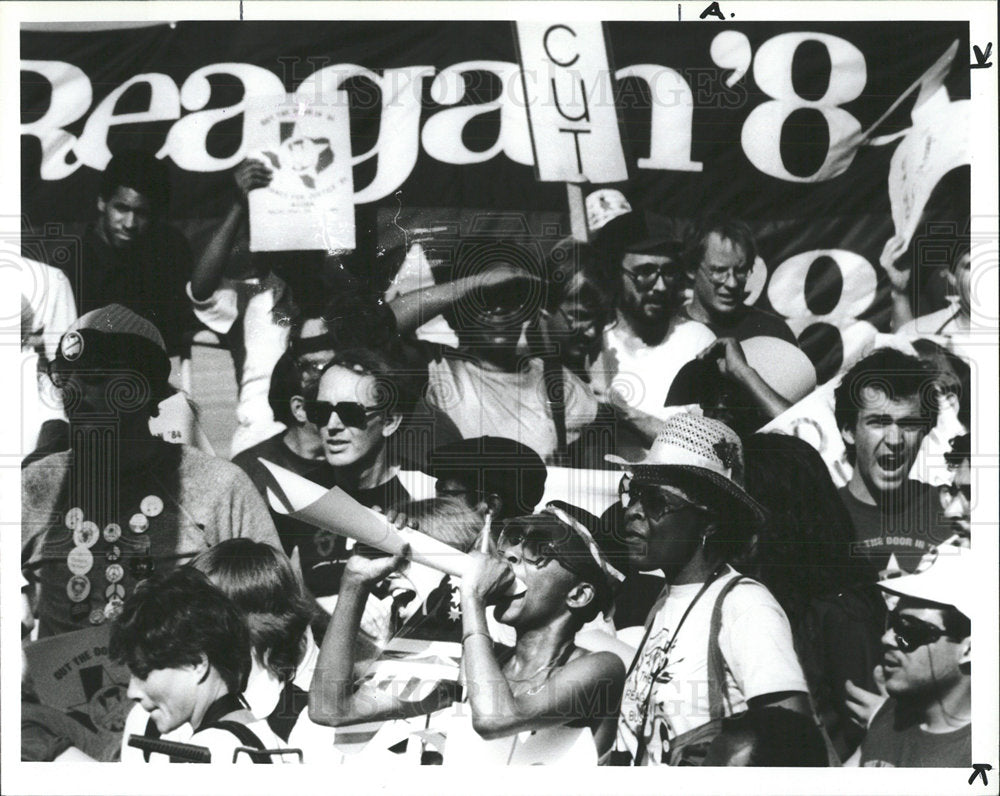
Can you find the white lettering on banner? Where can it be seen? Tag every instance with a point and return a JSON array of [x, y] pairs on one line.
[[787, 290], [670, 125], [442, 134], [186, 142], [71, 96], [573, 140], [772, 69], [164, 104], [399, 127], [566, 86], [787, 294]]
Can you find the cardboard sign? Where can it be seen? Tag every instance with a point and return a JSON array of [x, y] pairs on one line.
[[73, 672], [570, 101], [309, 203]]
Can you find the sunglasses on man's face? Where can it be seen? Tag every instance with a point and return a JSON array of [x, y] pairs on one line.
[[912, 633], [948, 492], [351, 413]]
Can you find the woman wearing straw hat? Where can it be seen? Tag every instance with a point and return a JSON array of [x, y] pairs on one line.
[[716, 644]]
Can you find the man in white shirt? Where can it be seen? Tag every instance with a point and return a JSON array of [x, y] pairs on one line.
[[651, 339]]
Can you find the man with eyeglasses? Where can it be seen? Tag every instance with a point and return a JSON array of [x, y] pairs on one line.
[[719, 257], [927, 719], [650, 339], [360, 403]]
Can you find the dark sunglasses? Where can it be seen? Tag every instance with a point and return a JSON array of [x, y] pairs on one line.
[[645, 276], [948, 492], [538, 548], [912, 633], [351, 413], [656, 501]]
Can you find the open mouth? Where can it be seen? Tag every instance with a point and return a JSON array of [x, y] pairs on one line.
[[891, 463]]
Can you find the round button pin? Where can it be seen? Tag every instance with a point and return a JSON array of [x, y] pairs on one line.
[[139, 523], [114, 553], [78, 588], [114, 573], [112, 532], [113, 608], [97, 617], [74, 517], [86, 534], [71, 346], [151, 506], [115, 590], [80, 560]]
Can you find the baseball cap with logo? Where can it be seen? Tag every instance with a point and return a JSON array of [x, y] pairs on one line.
[[701, 448], [114, 338]]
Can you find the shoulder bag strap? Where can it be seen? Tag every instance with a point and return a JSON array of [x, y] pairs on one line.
[[717, 694], [246, 736]]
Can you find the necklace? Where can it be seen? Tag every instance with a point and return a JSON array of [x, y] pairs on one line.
[[559, 659]]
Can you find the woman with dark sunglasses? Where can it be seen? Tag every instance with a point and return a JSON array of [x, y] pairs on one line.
[[545, 681], [562, 580]]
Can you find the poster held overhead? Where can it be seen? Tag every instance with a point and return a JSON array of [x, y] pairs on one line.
[[309, 204]]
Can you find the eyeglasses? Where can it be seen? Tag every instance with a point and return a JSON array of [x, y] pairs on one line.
[[912, 633], [719, 276], [948, 492], [351, 413], [657, 501], [645, 276], [537, 549]]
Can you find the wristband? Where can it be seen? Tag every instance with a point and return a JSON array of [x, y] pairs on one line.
[[467, 636]]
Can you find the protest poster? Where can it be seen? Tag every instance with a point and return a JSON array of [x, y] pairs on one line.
[[73, 672], [309, 203]]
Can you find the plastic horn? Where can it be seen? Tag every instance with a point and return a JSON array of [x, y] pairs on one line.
[[334, 510]]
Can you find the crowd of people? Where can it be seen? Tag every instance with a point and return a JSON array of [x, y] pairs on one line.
[[734, 606]]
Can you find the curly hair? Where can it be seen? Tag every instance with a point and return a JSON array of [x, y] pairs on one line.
[[174, 620], [260, 581]]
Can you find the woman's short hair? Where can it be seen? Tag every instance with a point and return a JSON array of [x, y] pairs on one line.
[[174, 620], [259, 579]]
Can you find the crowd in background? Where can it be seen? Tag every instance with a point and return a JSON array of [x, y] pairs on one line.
[[734, 606]]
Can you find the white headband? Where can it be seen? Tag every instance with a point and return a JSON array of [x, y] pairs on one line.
[[595, 551]]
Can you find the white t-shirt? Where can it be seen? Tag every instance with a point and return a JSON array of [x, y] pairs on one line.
[[756, 644], [482, 401], [641, 373]]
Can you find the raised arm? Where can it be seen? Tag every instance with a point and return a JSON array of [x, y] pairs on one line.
[[416, 308], [207, 273], [333, 698], [588, 687], [728, 354], [899, 283]]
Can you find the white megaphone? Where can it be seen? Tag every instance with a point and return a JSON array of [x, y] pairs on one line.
[[334, 510]]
